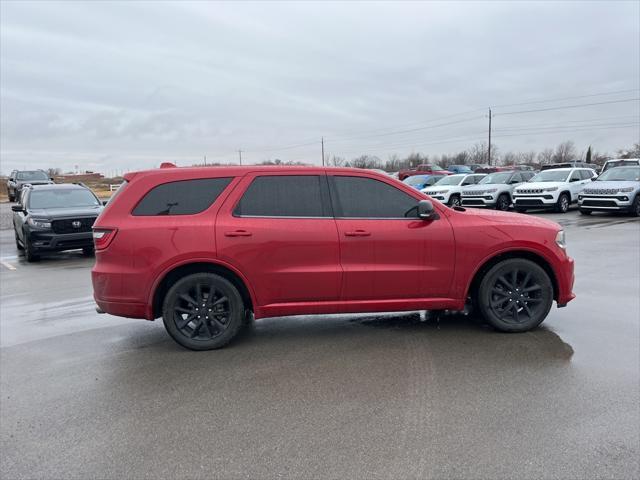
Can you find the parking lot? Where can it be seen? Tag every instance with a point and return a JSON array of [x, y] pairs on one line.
[[344, 396]]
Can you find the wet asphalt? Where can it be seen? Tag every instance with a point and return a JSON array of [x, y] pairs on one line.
[[345, 396]]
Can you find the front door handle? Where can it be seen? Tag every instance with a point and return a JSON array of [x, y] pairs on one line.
[[237, 233], [357, 233]]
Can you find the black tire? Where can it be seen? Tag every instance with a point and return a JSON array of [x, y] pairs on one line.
[[586, 212], [12, 198], [635, 207], [520, 209], [503, 202], [188, 306], [455, 201], [18, 245], [562, 205], [88, 251], [29, 254], [515, 295]]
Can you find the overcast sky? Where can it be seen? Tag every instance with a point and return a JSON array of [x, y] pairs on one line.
[[126, 85]]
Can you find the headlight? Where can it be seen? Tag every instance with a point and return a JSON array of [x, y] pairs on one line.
[[550, 189], [560, 240], [442, 192], [39, 223], [492, 190], [626, 190]]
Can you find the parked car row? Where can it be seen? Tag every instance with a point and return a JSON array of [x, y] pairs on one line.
[[556, 189], [19, 178]]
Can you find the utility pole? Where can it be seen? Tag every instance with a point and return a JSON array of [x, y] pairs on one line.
[[240, 154], [322, 142], [489, 147], [205, 160]]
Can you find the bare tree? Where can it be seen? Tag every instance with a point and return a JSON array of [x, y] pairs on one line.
[[366, 161], [54, 172], [527, 158], [545, 156], [565, 152], [509, 158], [478, 153], [337, 161], [633, 152]]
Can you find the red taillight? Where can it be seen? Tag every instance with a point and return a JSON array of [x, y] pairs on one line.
[[102, 237]]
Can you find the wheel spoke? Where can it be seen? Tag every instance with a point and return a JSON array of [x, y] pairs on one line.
[[514, 277], [533, 300], [527, 277], [183, 310], [219, 301], [219, 324], [499, 291], [499, 302], [532, 288], [514, 308], [506, 283], [527, 309], [183, 322], [208, 327], [196, 329], [187, 298], [199, 293]]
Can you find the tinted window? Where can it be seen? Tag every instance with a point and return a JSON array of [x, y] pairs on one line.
[[575, 176], [32, 176], [185, 197], [283, 196], [359, 197], [517, 178]]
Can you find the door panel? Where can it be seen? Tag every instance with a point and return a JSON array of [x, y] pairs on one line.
[[286, 259], [385, 254]]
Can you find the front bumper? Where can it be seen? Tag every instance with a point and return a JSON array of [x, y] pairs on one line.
[[534, 201], [42, 240], [488, 201], [620, 202]]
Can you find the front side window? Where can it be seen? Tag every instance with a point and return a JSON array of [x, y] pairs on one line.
[[575, 176], [62, 198], [283, 196], [184, 197], [359, 197]]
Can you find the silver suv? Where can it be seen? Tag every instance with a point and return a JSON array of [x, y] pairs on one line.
[[617, 189], [495, 190]]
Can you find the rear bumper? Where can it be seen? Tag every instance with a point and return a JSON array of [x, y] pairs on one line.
[[113, 297], [122, 309]]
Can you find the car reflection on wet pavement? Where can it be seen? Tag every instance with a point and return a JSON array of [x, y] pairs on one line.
[[342, 396]]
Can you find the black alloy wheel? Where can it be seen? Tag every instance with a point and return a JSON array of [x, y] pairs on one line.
[[515, 295], [18, 244], [29, 253], [635, 208], [455, 201], [563, 203], [503, 202], [203, 311]]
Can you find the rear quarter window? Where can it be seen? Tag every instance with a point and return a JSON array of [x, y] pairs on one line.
[[183, 197]]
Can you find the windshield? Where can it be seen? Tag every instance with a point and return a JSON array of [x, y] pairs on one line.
[[63, 198], [415, 180], [619, 163], [501, 177], [620, 174], [450, 180], [551, 176], [32, 176]]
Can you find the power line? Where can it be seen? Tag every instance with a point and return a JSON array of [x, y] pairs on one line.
[[567, 98], [569, 106]]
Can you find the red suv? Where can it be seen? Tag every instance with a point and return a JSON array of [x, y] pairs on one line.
[[205, 247]]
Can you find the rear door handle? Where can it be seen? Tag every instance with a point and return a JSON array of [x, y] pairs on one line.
[[357, 233], [237, 233]]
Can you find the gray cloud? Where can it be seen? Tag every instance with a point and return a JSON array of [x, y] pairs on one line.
[[125, 85]]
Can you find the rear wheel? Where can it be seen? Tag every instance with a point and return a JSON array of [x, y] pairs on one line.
[[12, 198], [515, 295], [562, 205], [503, 202], [635, 208], [454, 201], [203, 311]]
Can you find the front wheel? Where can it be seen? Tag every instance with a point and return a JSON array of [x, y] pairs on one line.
[[563, 203], [12, 198], [29, 253], [203, 311], [454, 201], [18, 245], [635, 208], [503, 202], [515, 295]]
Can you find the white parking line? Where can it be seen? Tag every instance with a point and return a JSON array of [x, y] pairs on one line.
[[7, 265]]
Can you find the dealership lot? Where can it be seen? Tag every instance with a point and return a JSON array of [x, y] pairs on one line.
[[362, 396]]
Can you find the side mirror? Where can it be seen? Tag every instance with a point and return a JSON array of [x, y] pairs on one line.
[[574, 180], [17, 208], [51, 178], [515, 181], [104, 202], [426, 210]]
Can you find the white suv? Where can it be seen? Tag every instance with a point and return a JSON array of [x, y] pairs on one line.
[[556, 188], [494, 190], [448, 190]]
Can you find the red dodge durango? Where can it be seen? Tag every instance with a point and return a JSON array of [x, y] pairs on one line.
[[206, 247]]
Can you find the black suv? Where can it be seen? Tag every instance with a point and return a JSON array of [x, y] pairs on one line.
[[20, 178], [53, 218]]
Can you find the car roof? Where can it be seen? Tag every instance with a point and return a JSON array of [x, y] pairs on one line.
[[59, 186]]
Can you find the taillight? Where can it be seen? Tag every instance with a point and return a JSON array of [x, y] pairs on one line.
[[102, 237]]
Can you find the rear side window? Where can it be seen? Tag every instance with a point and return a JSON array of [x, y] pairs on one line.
[[283, 196], [359, 197], [185, 197], [586, 174]]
